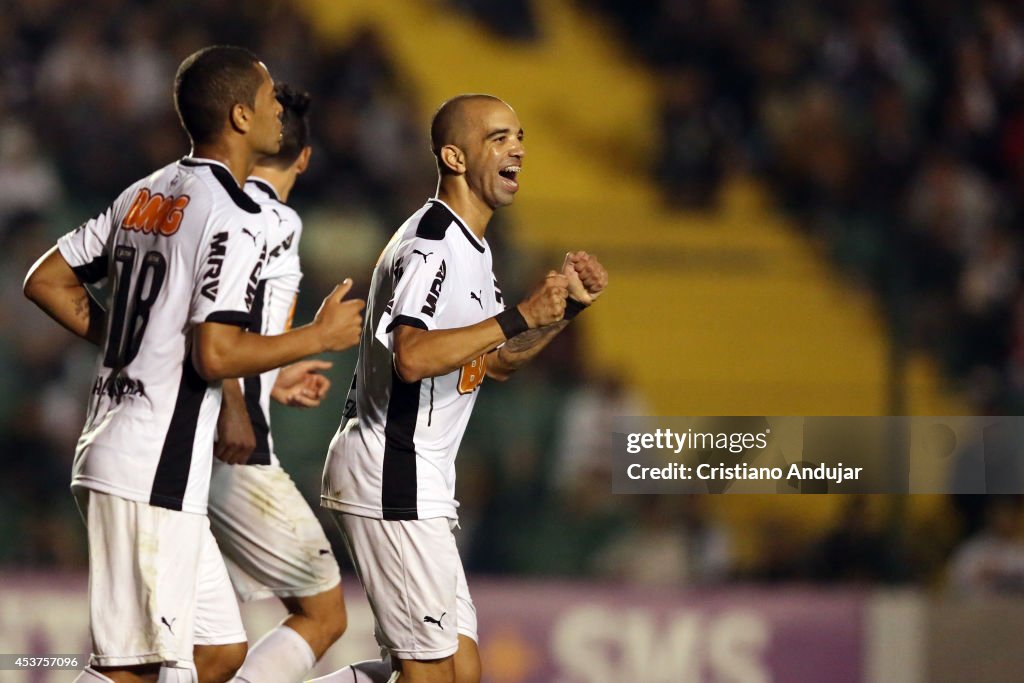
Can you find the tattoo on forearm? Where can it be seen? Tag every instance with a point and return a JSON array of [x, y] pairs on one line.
[[528, 339]]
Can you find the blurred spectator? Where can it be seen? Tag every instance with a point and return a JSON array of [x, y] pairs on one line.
[[673, 542], [28, 179], [584, 445], [856, 549], [690, 166], [512, 19], [992, 561]]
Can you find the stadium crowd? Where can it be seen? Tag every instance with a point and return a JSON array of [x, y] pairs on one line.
[[912, 186], [892, 131]]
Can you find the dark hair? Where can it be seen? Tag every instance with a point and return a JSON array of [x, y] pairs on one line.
[[295, 127], [443, 125], [209, 83]]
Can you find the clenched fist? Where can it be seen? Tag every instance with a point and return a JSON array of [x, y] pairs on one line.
[[340, 322], [586, 276], [546, 303]]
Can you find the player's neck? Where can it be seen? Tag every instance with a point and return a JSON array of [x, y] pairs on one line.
[[281, 180], [468, 206], [239, 161]]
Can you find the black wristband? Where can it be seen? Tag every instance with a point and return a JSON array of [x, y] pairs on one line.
[[572, 308], [512, 322]]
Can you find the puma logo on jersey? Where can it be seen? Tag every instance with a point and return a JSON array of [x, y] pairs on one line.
[[430, 307], [154, 212], [432, 620], [476, 297], [417, 251], [250, 234], [214, 262], [163, 620]]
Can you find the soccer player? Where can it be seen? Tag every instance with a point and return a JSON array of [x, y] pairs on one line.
[[182, 250], [437, 327], [269, 536]]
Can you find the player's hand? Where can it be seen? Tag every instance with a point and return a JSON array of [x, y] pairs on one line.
[[301, 385], [235, 438], [546, 303], [340, 322], [587, 277]]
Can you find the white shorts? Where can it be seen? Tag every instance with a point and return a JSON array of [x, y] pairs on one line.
[[157, 583], [414, 581], [272, 542]]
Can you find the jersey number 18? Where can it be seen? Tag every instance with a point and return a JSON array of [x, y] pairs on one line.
[[130, 314]]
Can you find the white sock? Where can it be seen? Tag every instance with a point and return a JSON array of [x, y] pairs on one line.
[[281, 656], [174, 674], [370, 671], [91, 675]]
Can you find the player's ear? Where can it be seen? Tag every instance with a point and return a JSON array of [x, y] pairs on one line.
[[241, 117], [454, 159], [302, 161]]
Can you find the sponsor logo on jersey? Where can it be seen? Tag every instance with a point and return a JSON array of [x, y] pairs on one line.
[[430, 307], [476, 297], [417, 251], [285, 245], [118, 387], [214, 262], [472, 374], [350, 401], [432, 620], [350, 409], [497, 292], [254, 279], [155, 213], [397, 271]]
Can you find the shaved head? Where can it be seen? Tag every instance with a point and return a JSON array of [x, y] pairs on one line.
[[449, 122]]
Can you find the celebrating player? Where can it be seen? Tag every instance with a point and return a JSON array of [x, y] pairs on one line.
[[182, 249], [270, 538], [437, 327]]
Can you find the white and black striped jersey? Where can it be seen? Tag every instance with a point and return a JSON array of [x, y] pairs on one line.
[[394, 454], [180, 247], [273, 305]]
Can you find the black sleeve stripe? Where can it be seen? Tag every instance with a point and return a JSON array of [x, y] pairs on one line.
[[406, 320], [93, 271], [230, 185], [435, 222], [240, 318]]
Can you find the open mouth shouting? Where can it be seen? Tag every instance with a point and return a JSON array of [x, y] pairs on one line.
[[510, 177]]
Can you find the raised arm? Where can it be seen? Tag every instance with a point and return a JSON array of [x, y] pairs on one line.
[[421, 353], [52, 285], [586, 279], [222, 350]]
